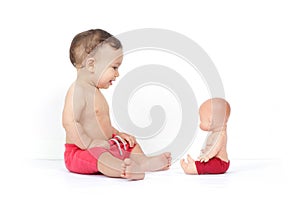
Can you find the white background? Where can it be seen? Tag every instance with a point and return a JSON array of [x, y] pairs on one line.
[[255, 46]]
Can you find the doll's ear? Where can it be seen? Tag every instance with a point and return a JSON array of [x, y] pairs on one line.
[[90, 64]]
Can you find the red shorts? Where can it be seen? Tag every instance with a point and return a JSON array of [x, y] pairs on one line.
[[86, 161], [213, 166]]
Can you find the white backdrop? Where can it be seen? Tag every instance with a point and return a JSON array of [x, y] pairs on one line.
[[255, 46]]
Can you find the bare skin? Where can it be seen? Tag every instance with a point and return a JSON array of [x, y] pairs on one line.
[[87, 123], [189, 167], [134, 170], [214, 114]]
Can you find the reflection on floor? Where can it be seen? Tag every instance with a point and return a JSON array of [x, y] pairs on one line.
[[245, 179]]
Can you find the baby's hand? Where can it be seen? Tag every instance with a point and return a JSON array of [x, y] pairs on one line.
[[129, 138]]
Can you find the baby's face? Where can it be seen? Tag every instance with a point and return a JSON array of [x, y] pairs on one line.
[[108, 66]]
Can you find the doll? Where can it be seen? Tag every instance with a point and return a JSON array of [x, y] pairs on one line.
[[213, 159]]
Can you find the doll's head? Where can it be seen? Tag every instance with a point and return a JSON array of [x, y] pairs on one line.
[[214, 114]]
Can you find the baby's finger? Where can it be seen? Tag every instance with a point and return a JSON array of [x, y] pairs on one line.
[[134, 140], [130, 141]]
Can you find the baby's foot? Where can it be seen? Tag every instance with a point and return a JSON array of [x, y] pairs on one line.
[[159, 162], [131, 170]]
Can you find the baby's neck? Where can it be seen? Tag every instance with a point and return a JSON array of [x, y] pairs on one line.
[[85, 79]]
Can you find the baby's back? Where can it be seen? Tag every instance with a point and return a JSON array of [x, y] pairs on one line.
[[86, 108]]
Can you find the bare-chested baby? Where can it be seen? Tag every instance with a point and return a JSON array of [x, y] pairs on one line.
[[92, 144]]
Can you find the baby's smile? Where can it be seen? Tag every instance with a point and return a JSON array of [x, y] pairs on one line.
[[111, 81]]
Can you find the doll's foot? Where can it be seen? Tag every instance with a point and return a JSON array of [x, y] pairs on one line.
[[188, 167]]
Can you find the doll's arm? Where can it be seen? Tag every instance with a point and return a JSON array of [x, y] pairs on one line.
[[213, 146]]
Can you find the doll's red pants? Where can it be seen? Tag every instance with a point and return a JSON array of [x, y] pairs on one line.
[[213, 166]]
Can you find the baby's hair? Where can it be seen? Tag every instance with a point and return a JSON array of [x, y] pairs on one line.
[[86, 43]]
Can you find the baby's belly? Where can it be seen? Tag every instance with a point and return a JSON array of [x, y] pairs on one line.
[[94, 131]]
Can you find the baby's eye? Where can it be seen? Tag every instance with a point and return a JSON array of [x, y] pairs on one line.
[[115, 68]]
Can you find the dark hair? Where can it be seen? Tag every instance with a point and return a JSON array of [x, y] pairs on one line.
[[86, 42]]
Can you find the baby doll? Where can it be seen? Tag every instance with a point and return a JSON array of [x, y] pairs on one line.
[[213, 159]]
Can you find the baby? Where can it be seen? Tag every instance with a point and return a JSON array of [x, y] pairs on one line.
[[92, 144], [213, 159]]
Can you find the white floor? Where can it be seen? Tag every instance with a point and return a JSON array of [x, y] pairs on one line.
[[245, 179]]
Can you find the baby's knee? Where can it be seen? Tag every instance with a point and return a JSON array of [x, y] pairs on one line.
[[137, 148]]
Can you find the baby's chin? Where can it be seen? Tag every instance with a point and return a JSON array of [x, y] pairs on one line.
[[104, 86]]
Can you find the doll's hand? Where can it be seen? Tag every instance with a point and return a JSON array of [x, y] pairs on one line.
[[203, 158]]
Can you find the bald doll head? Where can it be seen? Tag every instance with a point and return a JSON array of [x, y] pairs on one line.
[[214, 114]]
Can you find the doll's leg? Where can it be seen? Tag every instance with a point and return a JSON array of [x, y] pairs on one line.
[[188, 167]]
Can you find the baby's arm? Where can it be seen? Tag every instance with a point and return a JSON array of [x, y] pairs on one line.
[[129, 138], [115, 131], [77, 135], [213, 146]]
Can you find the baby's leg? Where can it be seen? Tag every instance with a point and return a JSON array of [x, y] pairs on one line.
[[114, 167], [109, 165], [153, 163]]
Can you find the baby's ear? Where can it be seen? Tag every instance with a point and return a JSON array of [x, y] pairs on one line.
[[90, 64]]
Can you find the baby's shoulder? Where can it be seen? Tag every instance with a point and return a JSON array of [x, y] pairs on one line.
[[76, 93]]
